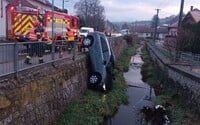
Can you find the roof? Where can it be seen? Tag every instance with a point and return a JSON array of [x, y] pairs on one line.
[[174, 25], [195, 14], [23, 3], [162, 29], [142, 29], [29, 3]]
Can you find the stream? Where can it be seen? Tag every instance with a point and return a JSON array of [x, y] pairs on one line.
[[140, 94]]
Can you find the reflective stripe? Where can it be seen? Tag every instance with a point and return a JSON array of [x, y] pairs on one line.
[[28, 57], [40, 58]]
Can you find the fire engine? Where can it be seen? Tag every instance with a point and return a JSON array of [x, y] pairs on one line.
[[21, 20]]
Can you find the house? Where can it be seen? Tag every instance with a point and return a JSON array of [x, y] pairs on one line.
[[170, 38], [162, 31], [142, 31], [192, 17], [34, 4], [172, 29]]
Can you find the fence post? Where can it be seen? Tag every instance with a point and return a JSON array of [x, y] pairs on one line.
[[191, 61], [15, 58]]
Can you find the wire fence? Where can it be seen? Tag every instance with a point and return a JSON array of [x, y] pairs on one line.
[[178, 56], [14, 56]]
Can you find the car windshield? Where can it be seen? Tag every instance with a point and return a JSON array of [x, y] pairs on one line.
[[83, 31]]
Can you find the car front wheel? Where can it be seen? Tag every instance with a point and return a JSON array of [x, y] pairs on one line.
[[88, 41]]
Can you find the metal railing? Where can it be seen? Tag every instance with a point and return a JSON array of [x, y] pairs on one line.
[[13, 55], [178, 56]]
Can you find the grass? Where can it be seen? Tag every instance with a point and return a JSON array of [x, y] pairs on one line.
[[94, 106], [166, 93]]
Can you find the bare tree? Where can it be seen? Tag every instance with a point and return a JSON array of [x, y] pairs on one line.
[[91, 13]]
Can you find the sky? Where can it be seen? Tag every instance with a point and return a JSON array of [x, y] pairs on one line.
[[137, 10]]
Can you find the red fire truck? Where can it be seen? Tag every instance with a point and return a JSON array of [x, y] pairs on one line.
[[21, 20]]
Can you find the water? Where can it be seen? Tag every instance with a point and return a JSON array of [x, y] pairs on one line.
[[140, 94]]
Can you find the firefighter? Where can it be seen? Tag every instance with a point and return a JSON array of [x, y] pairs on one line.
[[36, 36], [79, 42], [71, 41]]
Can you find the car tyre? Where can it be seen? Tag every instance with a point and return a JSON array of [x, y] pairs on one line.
[[95, 78], [88, 41]]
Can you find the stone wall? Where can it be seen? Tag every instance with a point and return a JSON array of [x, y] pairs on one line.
[[187, 80], [40, 94], [118, 45]]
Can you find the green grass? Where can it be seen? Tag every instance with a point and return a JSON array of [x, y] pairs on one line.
[[94, 106], [179, 113]]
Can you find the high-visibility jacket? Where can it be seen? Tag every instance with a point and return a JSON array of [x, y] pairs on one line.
[[70, 35], [32, 35]]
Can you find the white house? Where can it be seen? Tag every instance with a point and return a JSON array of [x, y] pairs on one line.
[[142, 31]]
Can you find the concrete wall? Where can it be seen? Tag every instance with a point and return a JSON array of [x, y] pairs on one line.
[[39, 95], [188, 81]]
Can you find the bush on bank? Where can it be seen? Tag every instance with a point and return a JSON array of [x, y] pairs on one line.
[[93, 107]]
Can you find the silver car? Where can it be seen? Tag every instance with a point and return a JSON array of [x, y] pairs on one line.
[[101, 60]]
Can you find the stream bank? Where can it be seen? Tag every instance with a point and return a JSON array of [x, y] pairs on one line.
[[140, 94]]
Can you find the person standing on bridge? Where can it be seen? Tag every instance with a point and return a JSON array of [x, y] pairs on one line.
[[36, 36], [71, 41]]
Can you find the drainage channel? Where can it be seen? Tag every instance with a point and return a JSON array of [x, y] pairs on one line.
[[140, 94]]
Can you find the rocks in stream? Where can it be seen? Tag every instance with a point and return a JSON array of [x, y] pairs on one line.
[[154, 115]]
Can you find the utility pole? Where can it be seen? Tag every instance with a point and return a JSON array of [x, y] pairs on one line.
[[179, 25], [156, 24], [181, 13], [63, 5], [53, 46]]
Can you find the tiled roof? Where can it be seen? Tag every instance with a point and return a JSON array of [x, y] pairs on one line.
[[23, 3], [174, 25], [195, 15], [28, 3], [162, 29], [142, 29]]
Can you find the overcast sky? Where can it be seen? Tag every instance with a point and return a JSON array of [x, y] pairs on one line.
[[136, 10]]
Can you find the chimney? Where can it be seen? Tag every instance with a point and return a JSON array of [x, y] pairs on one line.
[[191, 8]]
